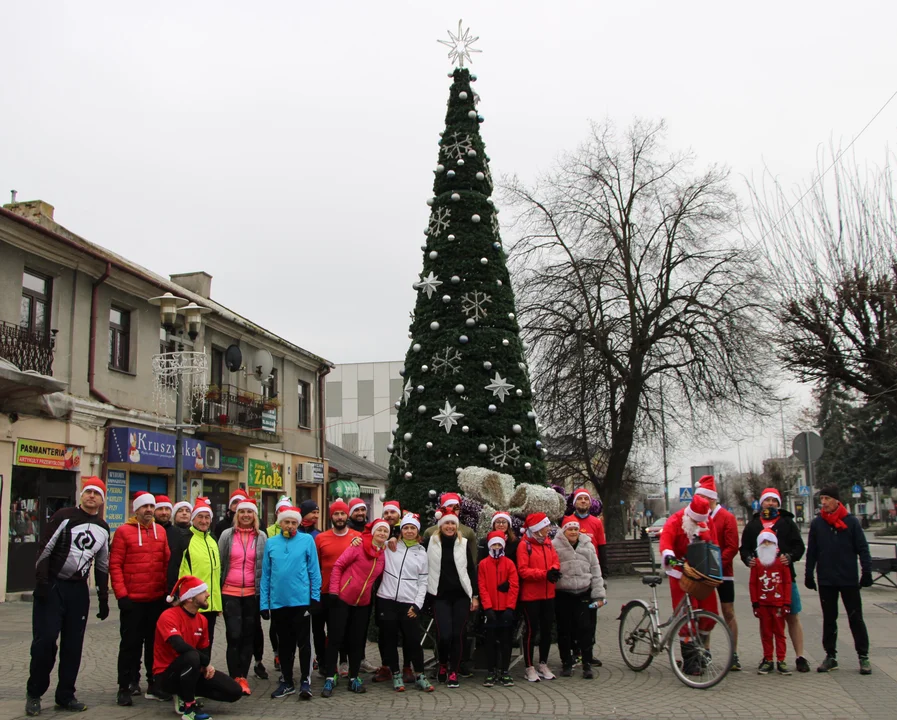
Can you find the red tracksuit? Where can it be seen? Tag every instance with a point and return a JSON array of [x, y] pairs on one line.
[[771, 598]]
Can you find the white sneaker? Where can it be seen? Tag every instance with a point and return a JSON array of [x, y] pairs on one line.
[[531, 675], [367, 666], [344, 670], [545, 672]]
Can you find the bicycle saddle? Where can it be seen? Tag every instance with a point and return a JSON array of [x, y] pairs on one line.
[[652, 580]]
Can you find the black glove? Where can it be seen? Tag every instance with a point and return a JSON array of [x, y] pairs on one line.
[[315, 607], [866, 579], [266, 614], [41, 591], [104, 609], [490, 617], [125, 604], [508, 617], [504, 587], [809, 582], [553, 575]]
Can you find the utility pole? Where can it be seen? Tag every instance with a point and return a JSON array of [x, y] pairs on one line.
[[663, 440]]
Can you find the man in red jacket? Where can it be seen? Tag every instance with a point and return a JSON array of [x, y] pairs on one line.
[[729, 542], [138, 566]]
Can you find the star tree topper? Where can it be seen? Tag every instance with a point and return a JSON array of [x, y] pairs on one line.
[[460, 46]]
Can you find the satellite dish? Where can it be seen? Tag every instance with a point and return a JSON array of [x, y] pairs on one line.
[[233, 358], [262, 365]]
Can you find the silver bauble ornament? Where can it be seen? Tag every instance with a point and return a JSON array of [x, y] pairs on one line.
[[422, 409], [433, 255], [463, 95], [390, 447], [531, 415], [461, 161], [482, 447], [408, 475], [434, 325], [475, 218], [430, 201], [517, 429], [484, 261], [527, 466], [451, 237], [471, 153], [416, 347], [424, 368], [487, 365], [455, 279], [511, 316], [446, 298], [459, 389], [455, 197], [470, 322], [506, 342], [519, 392], [397, 404], [429, 446], [465, 429], [492, 408], [463, 339], [407, 437], [419, 388], [480, 176], [450, 174], [440, 168], [472, 114]]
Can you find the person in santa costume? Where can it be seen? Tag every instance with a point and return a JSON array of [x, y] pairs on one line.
[[771, 600], [727, 532]]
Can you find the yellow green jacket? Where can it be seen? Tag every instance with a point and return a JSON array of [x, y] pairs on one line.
[[201, 559]]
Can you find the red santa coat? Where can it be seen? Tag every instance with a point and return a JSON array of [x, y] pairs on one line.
[[674, 543], [771, 586], [727, 531]]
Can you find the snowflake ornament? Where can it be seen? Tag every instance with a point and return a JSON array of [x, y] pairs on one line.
[[504, 452], [495, 225], [473, 304], [448, 361], [448, 417], [438, 221], [401, 455], [456, 146], [500, 387], [429, 284]]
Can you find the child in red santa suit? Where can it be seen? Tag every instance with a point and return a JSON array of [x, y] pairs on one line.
[[771, 598]]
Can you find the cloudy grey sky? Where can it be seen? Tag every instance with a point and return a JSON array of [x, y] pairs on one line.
[[287, 147]]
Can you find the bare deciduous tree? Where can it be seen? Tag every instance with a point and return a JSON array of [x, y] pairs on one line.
[[632, 293]]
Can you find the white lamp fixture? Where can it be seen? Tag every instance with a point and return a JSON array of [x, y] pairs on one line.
[[168, 308]]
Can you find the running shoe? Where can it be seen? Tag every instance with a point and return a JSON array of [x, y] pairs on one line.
[[587, 673], [244, 685], [506, 680], [865, 665], [765, 668], [828, 665], [442, 675], [124, 698], [408, 675], [154, 692], [261, 672], [383, 674], [566, 671], [452, 681], [801, 665], [545, 672], [32, 706], [73, 705], [195, 713], [344, 669], [423, 684], [367, 666], [305, 690], [398, 682], [283, 690], [531, 675], [736, 663], [329, 685], [782, 668], [490, 680], [356, 685]]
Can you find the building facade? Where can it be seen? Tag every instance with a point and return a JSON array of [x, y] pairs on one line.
[[80, 393]]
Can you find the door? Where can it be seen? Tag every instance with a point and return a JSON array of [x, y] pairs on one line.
[[35, 494], [218, 493]]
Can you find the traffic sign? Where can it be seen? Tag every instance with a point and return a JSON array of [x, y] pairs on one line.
[[807, 446], [685, 494], [755, 505], [856, 490], [803, 490]]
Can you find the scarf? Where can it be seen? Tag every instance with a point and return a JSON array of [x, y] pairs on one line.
[[533, 538], [769, 513], [409, 543], [308, 523], [367, 542], [496, 552], [836, 518]]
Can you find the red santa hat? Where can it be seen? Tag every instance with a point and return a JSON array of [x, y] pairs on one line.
[[248, 504], [570, 521], [448, 499], [535, 522], [767, 536], [698, 509], [94, 483], [235, 496], [182, 504], [141, 498], [392, 505], [581, 492], [447, 517], [202, 505], [284, 502], [410, 519], [289, 512], [374, 524], [771, 493], [163, 501], [338, 506], [185, 588], [356, 503], [496, 536], [500, 515], [707, 487]]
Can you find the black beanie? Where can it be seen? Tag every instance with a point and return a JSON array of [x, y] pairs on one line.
[[307, 506], [831, 490]]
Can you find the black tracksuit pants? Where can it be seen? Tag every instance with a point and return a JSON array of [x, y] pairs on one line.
[[211, 618], [538, 616], [320, 624], [138, 630], [294, 630], [393, 619], [184, 679], [348, 626], [451, 615], [62, 613], [574, 626], [499, 640], [853, 604], [240, 616], [258, 639]]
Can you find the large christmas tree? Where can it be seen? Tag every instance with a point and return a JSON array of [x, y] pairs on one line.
[[467, 399]]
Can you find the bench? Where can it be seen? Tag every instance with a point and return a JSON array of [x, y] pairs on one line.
[[628, 557], [884, 566]]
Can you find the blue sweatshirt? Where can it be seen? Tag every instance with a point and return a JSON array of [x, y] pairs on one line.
[[291, 575]]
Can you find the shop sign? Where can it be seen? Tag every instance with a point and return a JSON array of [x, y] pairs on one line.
[[144, 447], [269, 421], [232, 462], [317, 472], [116, 498], [36, 453], [265, 475]]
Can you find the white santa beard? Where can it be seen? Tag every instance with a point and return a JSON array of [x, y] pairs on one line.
[[691, 527], [766, 554]]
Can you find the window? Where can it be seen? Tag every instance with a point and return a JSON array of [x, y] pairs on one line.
[[217, 368], [119, 339], [304, 404], [269, 389], [35, 313]]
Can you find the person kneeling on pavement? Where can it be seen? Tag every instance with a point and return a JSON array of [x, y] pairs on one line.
[[182, 663]]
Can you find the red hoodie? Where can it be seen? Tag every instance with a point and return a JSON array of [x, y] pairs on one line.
[[771, 586], [355, 572], [534, 560], [491, 573], [727, 533]]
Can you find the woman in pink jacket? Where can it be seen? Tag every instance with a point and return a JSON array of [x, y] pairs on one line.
[[352, 581]]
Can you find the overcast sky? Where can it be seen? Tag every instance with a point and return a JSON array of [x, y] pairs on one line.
[[287, 147]]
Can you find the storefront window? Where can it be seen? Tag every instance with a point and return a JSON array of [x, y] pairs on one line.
[[155, 484], [24, 516]]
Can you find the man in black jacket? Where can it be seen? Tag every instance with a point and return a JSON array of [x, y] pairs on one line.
[[791, 549], [836, 540], [236, 497]]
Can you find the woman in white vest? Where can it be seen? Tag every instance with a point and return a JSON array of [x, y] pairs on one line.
[[452, 583]]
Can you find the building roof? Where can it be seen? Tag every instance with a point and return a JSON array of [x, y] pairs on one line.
[[350, 465]]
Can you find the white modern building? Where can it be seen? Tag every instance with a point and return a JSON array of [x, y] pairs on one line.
[[360, 408]]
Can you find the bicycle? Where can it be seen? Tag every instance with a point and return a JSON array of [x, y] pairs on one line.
[[643, 637]]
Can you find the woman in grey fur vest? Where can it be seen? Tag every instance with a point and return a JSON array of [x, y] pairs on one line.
[[579, 588]]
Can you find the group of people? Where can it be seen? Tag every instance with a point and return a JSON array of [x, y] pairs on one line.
[[770, 545], [173, 574]]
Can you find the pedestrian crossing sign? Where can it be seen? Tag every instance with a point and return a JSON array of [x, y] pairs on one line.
[[686, 494]]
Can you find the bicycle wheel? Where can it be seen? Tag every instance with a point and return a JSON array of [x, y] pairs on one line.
[[700, 649], [636, 635]]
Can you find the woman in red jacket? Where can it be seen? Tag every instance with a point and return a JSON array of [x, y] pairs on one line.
[[540, 569], [499, 587], [352, 581]]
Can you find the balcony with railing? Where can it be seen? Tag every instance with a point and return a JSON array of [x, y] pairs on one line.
[[27, 350], [232, 411]]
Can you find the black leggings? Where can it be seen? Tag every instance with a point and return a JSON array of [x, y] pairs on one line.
[[451, 619], [240, 615], [184, 679], [853, 604], [393, 619], [498, 648], [574, 624], [538, 616], [294, 630], [348, 624], [320, 623]]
